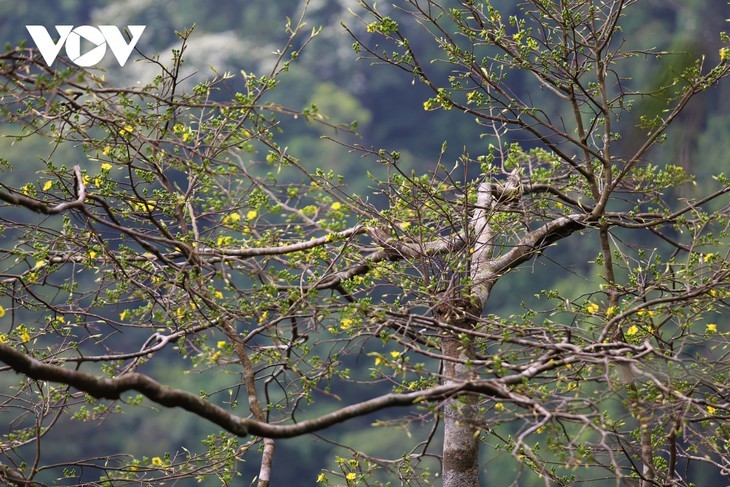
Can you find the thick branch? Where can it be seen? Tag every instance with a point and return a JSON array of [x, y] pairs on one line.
[[105, 388], [41, 207]]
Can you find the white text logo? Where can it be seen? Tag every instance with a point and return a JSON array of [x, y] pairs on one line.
[[101, 37]]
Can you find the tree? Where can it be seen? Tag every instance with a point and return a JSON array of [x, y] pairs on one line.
[[191, 236]]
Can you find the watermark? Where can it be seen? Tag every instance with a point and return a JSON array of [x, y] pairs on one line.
[[101, 37]]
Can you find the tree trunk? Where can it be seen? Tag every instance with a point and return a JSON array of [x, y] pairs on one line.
[[461, 415], [461, 443], [462, 310]]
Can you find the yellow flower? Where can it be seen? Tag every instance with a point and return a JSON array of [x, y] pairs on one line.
[[2, 311], [92, 254], [711, 328], [106, 166], [724, 54], [336, 206], [592, 308], [25, 336], [346, 323], [321, 478], [187, 136], [218, 295], [611, 311], [106, 150], [48, 185], [157, 461], [351, 476], [124, 314], [708, 257], [220, 344], [252, 214], [3, 338], [378, 360], [499, 406], [647, 312], [711, 410], [404, 225], [633, 330], [232, 218], [394, 354]]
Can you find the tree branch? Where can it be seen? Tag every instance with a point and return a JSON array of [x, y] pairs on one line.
[[40, 207], [106, 388]]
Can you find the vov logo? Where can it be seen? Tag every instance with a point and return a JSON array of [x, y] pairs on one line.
[[101, 37]]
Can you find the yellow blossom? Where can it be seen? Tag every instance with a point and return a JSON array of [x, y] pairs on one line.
[[187, 136], [220, 344], [708, 257], [321, 478], [92, 254], [633, 330], [48, 185], [592, 308], [2, 311], [351, 476], [124, 314], [157, 461], [611, 311], [346, 323], [378, 360], [106, 166], [499, 406], [25, 336], [394, 354], [647, 312], [711, 328], [263, 316], [218, 295], [251, 214], [711, 410], [232, 218], [404, 225], [336, 206], [106, 150], [3, 338]]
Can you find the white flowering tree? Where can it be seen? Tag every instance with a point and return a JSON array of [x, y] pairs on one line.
[[188, 239]]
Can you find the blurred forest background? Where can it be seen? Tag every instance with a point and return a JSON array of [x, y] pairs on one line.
[[235, 35]]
